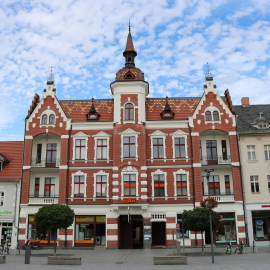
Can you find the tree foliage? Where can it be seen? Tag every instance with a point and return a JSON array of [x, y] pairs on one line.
[[198, 219], [54, 216]]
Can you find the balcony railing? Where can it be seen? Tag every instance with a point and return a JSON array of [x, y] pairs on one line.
[[215, 160], [45, 163], [42, 200], [221, 197]]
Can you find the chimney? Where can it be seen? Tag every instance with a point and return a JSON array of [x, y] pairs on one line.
[[245, 101]]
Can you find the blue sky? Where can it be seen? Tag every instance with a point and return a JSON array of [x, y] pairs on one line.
[[83, 41]]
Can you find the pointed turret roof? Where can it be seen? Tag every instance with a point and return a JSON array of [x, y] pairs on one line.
[[129, 44]]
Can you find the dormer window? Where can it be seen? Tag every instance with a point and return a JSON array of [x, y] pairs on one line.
[[167, 112], [92, 115], [208, 116], [44, 119], [52, 119], [3, 160], [129, 75], [129, 112]]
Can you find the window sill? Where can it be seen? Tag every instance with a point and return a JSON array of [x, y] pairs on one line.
[[252, 160], [255, 192]]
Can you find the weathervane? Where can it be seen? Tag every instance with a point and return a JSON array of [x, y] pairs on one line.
[[51, 78], [208, 75]]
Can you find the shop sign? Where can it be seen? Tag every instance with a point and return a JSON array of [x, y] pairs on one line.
[[265, 205], [101, 219], [130, 200], [84, 241], [4, 213], [84, 218]]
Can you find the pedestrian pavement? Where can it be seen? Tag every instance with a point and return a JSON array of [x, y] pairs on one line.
[[141, 259]]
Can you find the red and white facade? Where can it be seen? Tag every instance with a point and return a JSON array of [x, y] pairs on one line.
[[129, 166]]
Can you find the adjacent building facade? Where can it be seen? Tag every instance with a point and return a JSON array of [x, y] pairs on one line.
[[253, 127], [129, 166], [11, 155]]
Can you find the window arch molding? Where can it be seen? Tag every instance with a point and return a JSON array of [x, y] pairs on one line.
[[46, 117], [129, 112], [212, 115], [80, 136]]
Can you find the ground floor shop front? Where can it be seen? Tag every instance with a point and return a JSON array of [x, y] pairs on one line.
[[131, 227]]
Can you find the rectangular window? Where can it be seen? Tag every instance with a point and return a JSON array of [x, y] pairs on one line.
[[49, 189], [51, 155], [80, 149], [268, 181], [179, 146], [224, 150], [200, 147], [251, 152], [181, 229], [181, 185], [214, 186], [254, 183], [101, 148], [101, 186], [36, 192], [211, 150], [79, 186], [129, 184], [227, 185], [158, 150], [159, 189], [39, 148], [129, 147], [267, 151], [2, 197]]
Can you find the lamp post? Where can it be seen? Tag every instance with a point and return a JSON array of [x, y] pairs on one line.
[[208, 171]]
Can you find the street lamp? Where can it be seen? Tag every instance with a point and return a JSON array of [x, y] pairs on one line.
[[208, 171]]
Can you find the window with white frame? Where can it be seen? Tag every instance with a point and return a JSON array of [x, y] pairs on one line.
[[80, 141], [158, 148], [254, 183], [251, 152], [101, 186], [78, 185], [2, 198], [214, 185], [129, 184], [180, 147], [102, 146], [44, 119], [215, 116], [267, 151], [129, 144], [80, 146], [181, 183], [208, 116], [212, 114], [49, 188], [159, 185], [129, 112], [268, 182], [52, 119], [48, 117]]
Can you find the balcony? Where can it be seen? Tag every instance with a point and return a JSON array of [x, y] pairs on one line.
[[42, 200], [45, 163], [221, 198], [215, 160]]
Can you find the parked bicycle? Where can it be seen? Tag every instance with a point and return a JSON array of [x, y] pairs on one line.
[[228, 249], [240, 247], [4, 248]]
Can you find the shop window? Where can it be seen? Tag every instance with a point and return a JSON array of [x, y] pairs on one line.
[[2, 198], [181, 184], [101, 186], [80, 146], [129, 112], [129, 184], [254, 184], [226, 231], [181, 228], [44, 119], [214, 186], [158, 148], [267, 151], [79, 185], [180, 148], [227, 185], [251, 152], [159, 185], [37, 182], [129, 148], [260, 229], [208, 116], [49, 189], [52, 119], [101, 148]]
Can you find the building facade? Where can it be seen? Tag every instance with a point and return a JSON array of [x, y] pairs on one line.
[[253, 127], [11, 155], [129, 166]]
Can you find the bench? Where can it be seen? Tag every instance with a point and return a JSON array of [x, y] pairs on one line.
[[170, 260], [64, 260]]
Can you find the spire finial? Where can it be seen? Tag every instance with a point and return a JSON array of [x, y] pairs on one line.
[[51, 78], [129, 26], [208, 76]]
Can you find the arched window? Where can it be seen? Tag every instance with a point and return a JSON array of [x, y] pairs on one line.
[[52, 119], [208, 116], [215, 116], [129, 112], [44, 119]]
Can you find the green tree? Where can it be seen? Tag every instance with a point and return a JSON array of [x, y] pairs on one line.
[[53, 217], [198, 220]]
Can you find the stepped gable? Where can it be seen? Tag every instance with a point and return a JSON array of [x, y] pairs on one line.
[[12, 151], [35, 102]]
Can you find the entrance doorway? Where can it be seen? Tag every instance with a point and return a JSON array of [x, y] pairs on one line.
[[130, 232], [158, 234]]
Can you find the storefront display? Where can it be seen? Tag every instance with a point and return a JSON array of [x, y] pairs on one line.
[[261, 225], [226, 231]]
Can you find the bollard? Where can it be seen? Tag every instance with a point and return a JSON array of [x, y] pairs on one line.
[[27, 254]]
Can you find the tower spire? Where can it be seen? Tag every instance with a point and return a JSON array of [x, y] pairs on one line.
[[129, 52]]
